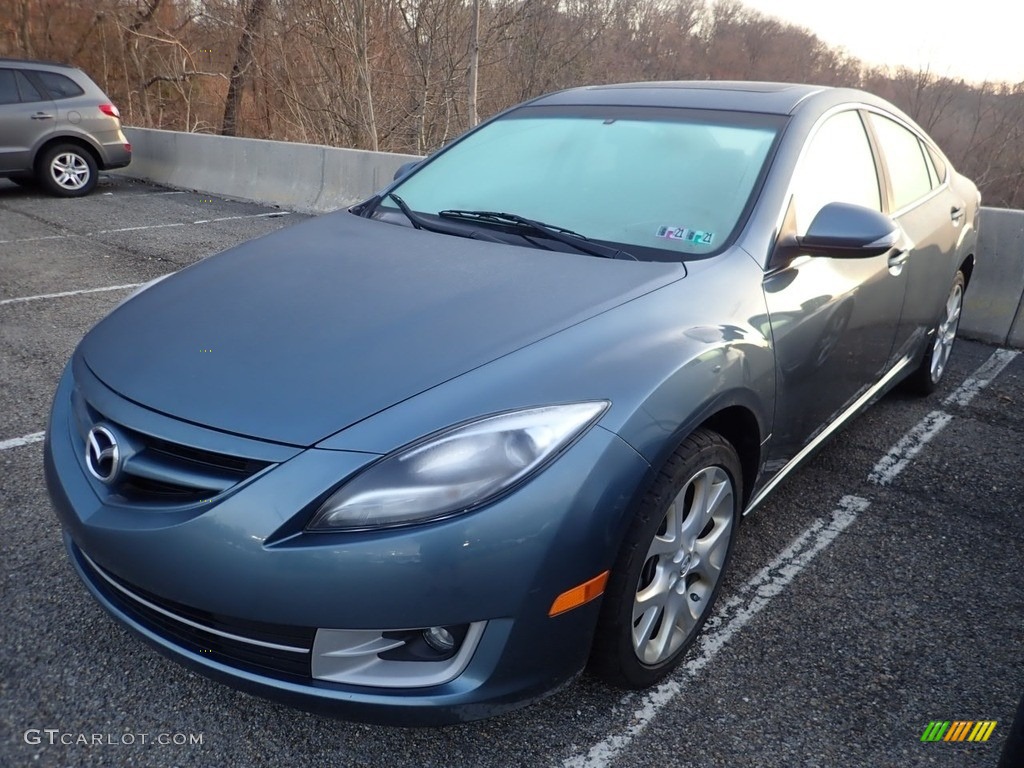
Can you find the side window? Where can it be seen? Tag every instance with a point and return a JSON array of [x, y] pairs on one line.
[[8, 87], [938, 162], [59, 86], [838, 167], [29, 92], [933, 175], [904, 158]]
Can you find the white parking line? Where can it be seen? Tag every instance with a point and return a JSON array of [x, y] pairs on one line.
[[271, 215], [17, 442], [898, 457], [911, 444], [136, 229], [62, 294], [981, 378], [268, 215], [734, 614], [754, 595]]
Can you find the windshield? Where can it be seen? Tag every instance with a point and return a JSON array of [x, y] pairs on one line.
[[672, 180]]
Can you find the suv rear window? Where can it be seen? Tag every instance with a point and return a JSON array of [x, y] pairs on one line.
[[59, 86], [29, 92]]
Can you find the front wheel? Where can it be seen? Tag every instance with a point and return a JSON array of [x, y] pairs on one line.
[[926, 378], [669, 570]]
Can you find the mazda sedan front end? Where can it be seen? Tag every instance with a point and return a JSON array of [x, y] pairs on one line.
[[421, 461]]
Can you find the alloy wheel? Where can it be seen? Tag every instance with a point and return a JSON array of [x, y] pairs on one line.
[[683, 565], [70, 171], [946, 333]]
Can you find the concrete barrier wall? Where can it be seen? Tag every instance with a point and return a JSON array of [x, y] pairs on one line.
[[315, 179], [993, 310], [303, 177]]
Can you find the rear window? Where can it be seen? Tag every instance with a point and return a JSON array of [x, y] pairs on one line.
[[905, 158], [28, 91], [59, 86]]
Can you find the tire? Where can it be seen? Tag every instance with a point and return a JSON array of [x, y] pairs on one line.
[[672, 561], [926, 378], [67, 170]]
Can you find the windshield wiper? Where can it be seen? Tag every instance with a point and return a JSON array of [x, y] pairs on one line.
[[421, 222], [561, 234]]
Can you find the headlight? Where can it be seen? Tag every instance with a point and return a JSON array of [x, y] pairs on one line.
[[456, 469]]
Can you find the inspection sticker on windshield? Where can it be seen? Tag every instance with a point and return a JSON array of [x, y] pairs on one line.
[[696, 236]]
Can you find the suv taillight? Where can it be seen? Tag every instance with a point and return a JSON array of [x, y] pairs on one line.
[[110, 109]]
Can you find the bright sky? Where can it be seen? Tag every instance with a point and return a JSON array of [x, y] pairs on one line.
[[973, 39]]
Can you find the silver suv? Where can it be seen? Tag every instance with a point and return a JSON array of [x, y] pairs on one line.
[[57, 128]]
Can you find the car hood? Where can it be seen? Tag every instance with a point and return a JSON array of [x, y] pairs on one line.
[[301, 333]]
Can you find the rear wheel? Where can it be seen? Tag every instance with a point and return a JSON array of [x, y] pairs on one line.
[[67, 170], [668, 573], [926, 378]]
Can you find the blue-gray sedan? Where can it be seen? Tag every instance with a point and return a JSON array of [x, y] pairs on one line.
[[424, 460]]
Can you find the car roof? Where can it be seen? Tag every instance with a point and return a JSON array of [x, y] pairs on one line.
[[770, 98], [35, 63]]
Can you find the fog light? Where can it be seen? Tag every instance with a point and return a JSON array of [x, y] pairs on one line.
[[440, 639]]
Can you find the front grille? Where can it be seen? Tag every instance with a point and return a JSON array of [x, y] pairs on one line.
[[160, 472], [279, 650], [142, 489], [219, 461]]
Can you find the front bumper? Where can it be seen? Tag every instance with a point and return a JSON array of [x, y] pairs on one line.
[[242, 560]]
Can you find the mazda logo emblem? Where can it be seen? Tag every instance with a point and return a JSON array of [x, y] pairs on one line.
[[102, 456]]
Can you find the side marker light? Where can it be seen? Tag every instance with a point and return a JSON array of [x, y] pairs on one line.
[[577, 596]]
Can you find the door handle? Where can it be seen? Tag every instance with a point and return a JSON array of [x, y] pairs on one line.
[[899, 257], [42, 116], [897, 260], [956, 213]]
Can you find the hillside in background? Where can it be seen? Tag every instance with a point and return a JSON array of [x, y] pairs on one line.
[[394, 75]]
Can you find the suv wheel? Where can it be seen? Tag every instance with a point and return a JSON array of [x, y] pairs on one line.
[[67, 170]]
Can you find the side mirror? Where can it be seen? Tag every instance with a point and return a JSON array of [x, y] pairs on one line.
[[846, 231], [404, 169]]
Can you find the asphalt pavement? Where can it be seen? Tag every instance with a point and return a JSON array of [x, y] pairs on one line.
[[880, 588]]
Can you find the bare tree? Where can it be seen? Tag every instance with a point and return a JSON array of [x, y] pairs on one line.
[[358, 30], [407, 75], [924, 97], [474, 63], [254, 13]]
